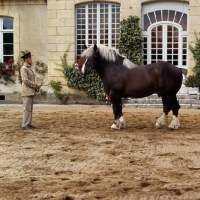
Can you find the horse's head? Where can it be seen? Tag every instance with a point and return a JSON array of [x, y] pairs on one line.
[[91, 56]]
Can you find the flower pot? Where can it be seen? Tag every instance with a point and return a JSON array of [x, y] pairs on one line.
[[193, 90]]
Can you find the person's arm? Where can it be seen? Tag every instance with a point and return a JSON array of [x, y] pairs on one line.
[[27, 81]]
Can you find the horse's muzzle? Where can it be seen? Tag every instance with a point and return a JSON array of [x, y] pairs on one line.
[[87, 71]]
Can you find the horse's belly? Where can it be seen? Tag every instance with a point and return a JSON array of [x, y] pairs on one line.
[[140, 93]]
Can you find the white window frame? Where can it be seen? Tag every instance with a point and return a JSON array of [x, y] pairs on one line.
[[111, 37], [2, 31], [181, 35], [176, 6]]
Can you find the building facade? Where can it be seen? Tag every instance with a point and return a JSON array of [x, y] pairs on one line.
[[48, 27]]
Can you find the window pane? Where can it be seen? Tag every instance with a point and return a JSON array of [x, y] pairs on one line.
[[165, 15], [169, 45], [169, 57], [158, 15], [183, 22], [152, 17], [7, 58], [175, 62], [184, 63], [184, 51], [8, 49], [178, 17], [7, 23], [175, 57], [7, 37], [146, 22], [171, 15], [184, 57]]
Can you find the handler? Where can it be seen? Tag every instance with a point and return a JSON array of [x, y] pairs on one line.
[[29, 87]]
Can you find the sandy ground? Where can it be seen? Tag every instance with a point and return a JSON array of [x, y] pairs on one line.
[[73, 154]]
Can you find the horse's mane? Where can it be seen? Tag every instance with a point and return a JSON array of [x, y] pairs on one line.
[[107, 53]]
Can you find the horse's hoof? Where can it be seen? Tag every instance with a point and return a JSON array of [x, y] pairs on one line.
[[170, 129], [157, 126], [115, 127]]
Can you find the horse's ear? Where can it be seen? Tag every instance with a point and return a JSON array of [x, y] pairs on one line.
[[95, 47]]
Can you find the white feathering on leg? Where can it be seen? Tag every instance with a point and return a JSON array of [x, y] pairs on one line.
[[122, 122], [175, 123], [161, 121]]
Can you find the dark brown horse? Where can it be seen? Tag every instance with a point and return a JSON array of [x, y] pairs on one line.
[[122, 78]]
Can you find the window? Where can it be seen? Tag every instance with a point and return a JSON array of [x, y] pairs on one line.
[[165, 37], [6, 39], [97, 23]]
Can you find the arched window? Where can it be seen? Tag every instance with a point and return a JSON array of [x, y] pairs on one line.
[[165, 33], [97, 23], [6, 39]]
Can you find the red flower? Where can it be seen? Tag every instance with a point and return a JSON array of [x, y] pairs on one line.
[[80, 62]]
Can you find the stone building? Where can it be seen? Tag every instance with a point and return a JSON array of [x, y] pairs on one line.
[[48, 27]]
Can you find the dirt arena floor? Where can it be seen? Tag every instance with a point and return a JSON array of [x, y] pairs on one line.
[[73, 154]]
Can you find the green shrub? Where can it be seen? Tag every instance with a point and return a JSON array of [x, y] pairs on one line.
[[91, 83], [130, 42], [194, 80]]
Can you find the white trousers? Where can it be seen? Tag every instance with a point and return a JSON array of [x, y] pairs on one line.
[[28, 109]]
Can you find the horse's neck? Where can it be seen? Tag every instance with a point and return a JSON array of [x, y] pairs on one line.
[[101, 68]]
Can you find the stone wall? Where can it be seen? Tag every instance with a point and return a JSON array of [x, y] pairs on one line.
[[49, 98]]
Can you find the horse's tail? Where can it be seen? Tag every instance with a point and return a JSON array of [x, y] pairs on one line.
[[184, 71]]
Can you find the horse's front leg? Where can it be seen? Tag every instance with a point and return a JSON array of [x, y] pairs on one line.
[[162, 120], [119, 121]]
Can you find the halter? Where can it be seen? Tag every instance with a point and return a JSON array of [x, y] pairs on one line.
[[91, 68]]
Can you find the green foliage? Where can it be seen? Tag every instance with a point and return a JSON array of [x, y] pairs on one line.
[[6, 72], [57, 87], [130, 42], [194, 81], [42, 92], [191, 81], [91, 83], [41, 68]]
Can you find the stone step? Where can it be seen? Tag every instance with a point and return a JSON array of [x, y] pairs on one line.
[[179, 96], [185, 106], [153, 101]]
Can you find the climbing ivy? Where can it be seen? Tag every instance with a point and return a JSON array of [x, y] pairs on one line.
[[57, 87], [130, 41], [91, 83]]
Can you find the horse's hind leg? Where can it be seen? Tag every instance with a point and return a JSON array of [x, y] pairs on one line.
[[162, 120], [175, 123], [119, 121]]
